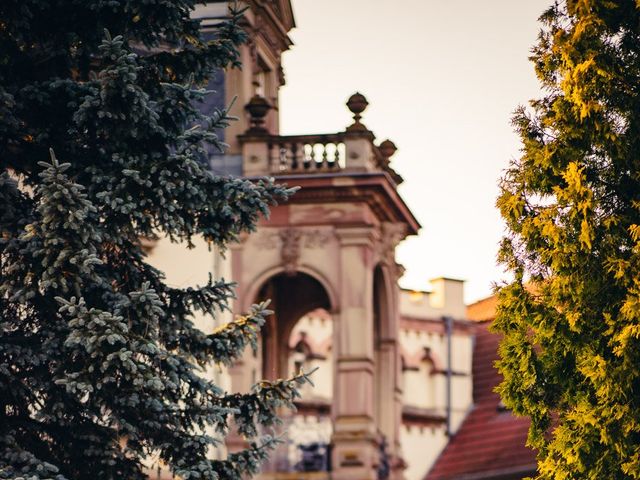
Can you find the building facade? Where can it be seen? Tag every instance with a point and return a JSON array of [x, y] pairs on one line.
[[394, 367], [490, 444]]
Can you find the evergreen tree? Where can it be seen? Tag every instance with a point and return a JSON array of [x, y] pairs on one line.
[[571, 317], [101, 366]]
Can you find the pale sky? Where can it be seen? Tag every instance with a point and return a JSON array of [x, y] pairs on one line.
[[442, 78]]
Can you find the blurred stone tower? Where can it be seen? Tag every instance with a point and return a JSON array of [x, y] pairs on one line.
[[330, 248], [394, 378]]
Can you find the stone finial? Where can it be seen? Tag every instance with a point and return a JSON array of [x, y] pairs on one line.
[[387, 149], [357, 104], [258, 107]]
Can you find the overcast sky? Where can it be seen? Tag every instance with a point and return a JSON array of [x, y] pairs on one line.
[[442, 79]]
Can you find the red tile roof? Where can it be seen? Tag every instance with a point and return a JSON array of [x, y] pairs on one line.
[[490, 444], [482, 310]]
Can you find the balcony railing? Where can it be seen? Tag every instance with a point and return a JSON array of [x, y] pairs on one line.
[[352, 150], [305, 450], [306, 153]]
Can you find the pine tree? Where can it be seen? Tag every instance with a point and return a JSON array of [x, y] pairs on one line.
[[101, 366], [571, 317]]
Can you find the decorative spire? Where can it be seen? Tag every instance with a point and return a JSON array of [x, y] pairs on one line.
[[357, 104]]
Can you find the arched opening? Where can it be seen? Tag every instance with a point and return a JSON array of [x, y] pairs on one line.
[[379, 316], [309, 433], [386, 366], [298, 335], [311, 348], [292, 296]]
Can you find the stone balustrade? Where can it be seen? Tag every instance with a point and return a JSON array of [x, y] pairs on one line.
[[352, 150], [306, 153]]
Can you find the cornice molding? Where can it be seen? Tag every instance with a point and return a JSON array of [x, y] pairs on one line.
[[374, 189]]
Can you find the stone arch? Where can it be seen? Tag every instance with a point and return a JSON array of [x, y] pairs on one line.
[[383, 306], [357, 287], [381, 319], [292, 297], [386, 358], [251, 293]]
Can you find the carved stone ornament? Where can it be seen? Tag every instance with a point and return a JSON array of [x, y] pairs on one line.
[[400, 270], [267, 240], [316, 238], [281, 76], [390, 235], [290, 250], [291, 241]]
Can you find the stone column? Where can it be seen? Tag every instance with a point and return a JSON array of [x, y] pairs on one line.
[[240, 371], [355, 441], [399, 464], [388, 392], [391, 394], [388, 364]]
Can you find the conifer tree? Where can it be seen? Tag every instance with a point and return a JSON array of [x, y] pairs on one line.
[[571, 202], [101, 365]]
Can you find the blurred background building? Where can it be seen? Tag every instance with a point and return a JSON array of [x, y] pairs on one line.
[[403, 387]]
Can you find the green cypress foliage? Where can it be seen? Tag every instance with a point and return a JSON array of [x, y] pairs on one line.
[[571, 317], [101, 366]]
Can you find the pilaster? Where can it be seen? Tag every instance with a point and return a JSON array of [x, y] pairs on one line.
[[355, 438]]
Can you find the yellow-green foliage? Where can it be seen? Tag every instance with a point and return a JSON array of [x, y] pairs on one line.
[[571, 317]]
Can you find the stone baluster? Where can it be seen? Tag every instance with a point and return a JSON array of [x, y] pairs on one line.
[[294, 156], [325, 161], [272, 150], [336, 156], [282, 158], [312, 156]]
